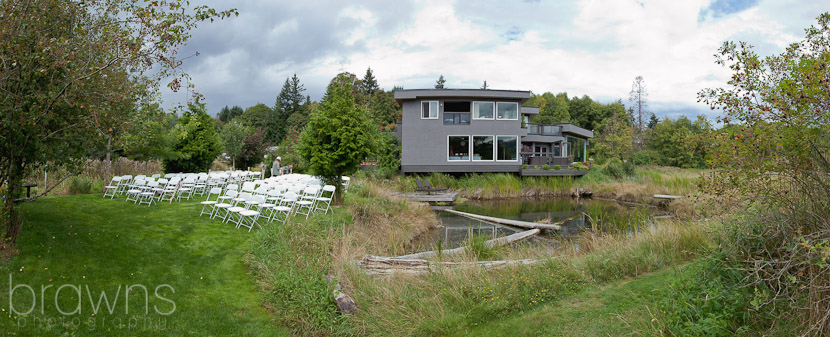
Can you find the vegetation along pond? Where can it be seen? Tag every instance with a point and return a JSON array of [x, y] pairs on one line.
[[578, 215]]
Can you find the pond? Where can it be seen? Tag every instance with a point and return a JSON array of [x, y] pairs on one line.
[[578, 215]]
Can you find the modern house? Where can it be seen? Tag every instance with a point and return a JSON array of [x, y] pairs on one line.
[[480, 130]]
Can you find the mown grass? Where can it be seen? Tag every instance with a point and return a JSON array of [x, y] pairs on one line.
[[446, 301], [86, 241]]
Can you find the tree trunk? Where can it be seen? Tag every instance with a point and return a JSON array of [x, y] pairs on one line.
[[10, 216], [109, 165]]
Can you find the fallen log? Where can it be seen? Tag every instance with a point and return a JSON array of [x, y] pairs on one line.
[[516, 223], [379, 265], [502, 241]]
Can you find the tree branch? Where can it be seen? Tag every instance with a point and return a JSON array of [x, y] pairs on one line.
[[47, 191]]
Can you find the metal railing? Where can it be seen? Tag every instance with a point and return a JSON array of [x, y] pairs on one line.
[[544, 130]]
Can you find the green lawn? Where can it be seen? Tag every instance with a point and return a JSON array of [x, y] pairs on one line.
[[614, 309], [192, 267]]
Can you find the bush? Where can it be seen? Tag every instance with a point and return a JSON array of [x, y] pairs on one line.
[[546, 167], [646, 157], [614, 168], [709, 298], [557, 167], [81, 185], [580, 166], [628, 168], [525, 166]]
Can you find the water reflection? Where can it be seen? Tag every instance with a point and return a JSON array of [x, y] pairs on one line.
[[578, 215]]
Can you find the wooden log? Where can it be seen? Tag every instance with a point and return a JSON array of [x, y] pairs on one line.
[[379, 265], [665, 196], [505, 240], [516, 223]]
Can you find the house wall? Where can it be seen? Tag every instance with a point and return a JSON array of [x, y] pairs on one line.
[[424, 141]]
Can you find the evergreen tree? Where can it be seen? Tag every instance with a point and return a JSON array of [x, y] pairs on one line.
[[383, 108], [339, 135], [653, 121], [439, 84], [289, 101], [197, 142], [369, 84], [226, 115]]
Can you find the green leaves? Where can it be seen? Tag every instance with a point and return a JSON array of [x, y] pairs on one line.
[[339, 135]]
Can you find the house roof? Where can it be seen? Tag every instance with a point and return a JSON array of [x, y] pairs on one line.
[[410, 94]]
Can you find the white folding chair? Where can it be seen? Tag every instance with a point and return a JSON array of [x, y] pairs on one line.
[[135, 190], [223, 205], [325, 199], [112, 188], [283, 211], [210, 204], [306, 203], [148, 194], [248, 218]]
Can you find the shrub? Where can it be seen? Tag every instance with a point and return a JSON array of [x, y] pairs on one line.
[[81, 185], [628, 168], [709, 299], [614, 168], [546, 167], [579, 166], [525, 166], [557, 167], [646, 157]]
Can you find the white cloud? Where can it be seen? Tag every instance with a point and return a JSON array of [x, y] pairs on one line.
[[587, 47]]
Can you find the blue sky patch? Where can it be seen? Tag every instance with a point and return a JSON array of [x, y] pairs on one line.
[[719, 8]]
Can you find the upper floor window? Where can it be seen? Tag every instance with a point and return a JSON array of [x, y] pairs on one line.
[[507, 110], [429, 110], [483, 110]]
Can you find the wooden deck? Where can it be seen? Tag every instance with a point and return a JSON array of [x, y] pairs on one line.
[[553, 173], [448, 197]]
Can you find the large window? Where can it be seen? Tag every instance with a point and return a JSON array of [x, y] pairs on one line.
[[576, 148], [482, 147], [483, 110], [508, 148], [507, 111], [429, 110], [459, 148], [456, 118]]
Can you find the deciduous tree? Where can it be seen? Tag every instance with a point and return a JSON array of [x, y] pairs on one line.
[[69, 68]]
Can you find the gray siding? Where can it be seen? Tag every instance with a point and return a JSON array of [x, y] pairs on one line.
[[424, 141]]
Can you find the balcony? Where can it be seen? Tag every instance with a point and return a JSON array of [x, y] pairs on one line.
[[544, 130]]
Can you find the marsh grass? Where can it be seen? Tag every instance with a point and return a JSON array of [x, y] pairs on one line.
[[639, 187], [291, 263]]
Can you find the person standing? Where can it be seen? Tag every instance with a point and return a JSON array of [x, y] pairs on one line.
[[276, 168]]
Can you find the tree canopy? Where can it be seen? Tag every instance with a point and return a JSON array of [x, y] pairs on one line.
[[339, 135], [197, 142], [73, 71]]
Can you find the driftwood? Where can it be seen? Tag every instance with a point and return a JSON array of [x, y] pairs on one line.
[[378, 265], [516, 223], [344, 302], [505, 240]]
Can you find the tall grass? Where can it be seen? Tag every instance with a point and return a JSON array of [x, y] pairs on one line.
[[292, 261], [91, 177]]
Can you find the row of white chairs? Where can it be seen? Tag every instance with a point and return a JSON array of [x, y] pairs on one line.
[[246, 209]]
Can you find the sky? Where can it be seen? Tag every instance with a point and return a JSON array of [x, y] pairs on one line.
[[582, 47]]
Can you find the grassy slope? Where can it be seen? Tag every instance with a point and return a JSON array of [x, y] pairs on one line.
[[100, 243], [616, 309]]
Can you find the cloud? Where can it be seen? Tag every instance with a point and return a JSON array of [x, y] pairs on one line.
[[583, 47]]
